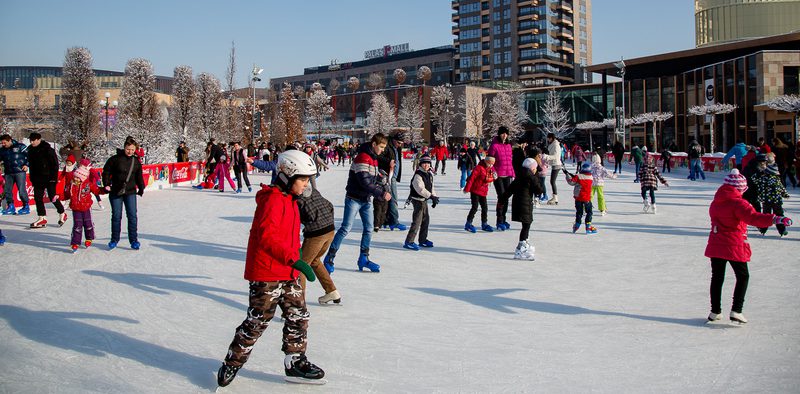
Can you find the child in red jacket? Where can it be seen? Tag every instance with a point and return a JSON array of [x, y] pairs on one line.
[[730, 214], [81, 194], [582, 193], [272, 264], [478, 187]]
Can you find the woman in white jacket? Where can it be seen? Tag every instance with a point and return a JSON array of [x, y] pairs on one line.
[[554, 160]]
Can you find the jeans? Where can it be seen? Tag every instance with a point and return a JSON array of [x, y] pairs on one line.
[[444, 163], [581, 206], [553, 177], [392, 215], [240, 173], [129, 200], [666, 166], [465, 174], [638, 167], [696, 169], [351, 207], [718, 277], [19, 180], [618, 163]]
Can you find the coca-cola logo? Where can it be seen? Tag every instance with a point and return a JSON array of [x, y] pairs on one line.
[[180, 173]]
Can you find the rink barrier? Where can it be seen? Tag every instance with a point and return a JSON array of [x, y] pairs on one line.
[[681, 159]]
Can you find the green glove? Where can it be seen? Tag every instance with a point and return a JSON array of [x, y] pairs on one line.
[[306, 269]]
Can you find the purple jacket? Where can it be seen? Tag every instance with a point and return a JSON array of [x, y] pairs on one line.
[[502, 155]]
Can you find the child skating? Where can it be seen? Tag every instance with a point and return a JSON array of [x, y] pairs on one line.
[[421, 190], [223, 173], [82, 190], [273, 262], [524, 188], [316, 215], [727, 242], [582, 192], [599, 174], [649, 178], [771, 193], [478, 188]]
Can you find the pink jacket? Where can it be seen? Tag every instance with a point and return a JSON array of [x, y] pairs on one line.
[[730, 215], [502, 155]]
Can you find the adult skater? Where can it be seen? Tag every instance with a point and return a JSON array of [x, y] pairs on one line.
[[240, 167], [727, 242], [43, 164], [554, 153], [391, 161], [272, 264], [738, 152], [362, 185], [123, 180], [502, 152], [618, 150], [15, 162]]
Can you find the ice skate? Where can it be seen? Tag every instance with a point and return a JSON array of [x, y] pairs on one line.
[[26, 209], [410, 246], [590, 229], [575, 227], [112, 245], [62, 218], [74, 248], [364, 262], [469, 227], [2, 239], [785, 233], [135, 245], [398, 226], [426, 244], [300, 370], [524, 251], [603, 213], [554, 200], [88, 243], [226, 374], [330, 297], [10, 210], [738, 317], [40, 223], [486, 227], [653, 209], [714, 316], [646, 206]]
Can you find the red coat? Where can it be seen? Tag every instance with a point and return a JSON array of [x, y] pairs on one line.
[[730, 215], [274, 243], [480, 180], [441, 152], [81, 194]]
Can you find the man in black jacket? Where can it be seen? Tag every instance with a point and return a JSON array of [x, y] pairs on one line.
[[43, 164], [391, 161], [123, 180], [239, 167]]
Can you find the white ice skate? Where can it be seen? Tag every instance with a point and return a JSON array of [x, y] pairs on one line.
[[554, 200], [653, 209], [524, 251], [738, 317], [646, 207], [331, 297]]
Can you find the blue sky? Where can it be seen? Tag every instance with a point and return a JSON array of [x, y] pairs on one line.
[[283, 37]]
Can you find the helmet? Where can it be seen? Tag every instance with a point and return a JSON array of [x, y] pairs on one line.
[[586, 167], [295, 163]]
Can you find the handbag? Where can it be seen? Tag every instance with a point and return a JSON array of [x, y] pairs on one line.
[[121, 191]]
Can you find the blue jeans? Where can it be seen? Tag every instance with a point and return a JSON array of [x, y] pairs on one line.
[[464, 175], [351, 207], [696, 170], [638, 167], [129, 200], [19, 180], [392, 215]]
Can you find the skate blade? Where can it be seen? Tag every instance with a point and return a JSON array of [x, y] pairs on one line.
[[332, 303], [298, 380]]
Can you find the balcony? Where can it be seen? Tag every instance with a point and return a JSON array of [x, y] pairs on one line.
[[565, 34], [564, 20], [454, 4], [527, 30], [527, 3], [565, 48], [456, 30], [528, 16], [454, 17]]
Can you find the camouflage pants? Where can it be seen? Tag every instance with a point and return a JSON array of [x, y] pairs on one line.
[[265, 297]]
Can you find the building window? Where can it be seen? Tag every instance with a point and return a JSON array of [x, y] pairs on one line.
[[495, 3], [791, 80], [467, 34], [496, 29], [497, 58], [507, 57], [498, 72], [508, 71], [496, 16], [507, 13], [485, 75], [467, 8], [496, 43], [507, 42], [507, 27], [582, 21]]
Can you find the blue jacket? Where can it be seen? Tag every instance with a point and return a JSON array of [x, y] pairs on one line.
[[739, 151], [15, 157], [363, 180], [271, 166]]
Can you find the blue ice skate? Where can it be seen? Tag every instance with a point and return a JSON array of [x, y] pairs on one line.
[[135, 245], [469, 227], [26, 209], [112, 245], [11, 210], [364, 262], [575, 227], [486, 227], [398, 226], [426, 244], [590, 229], [2, 239], [411, 246]]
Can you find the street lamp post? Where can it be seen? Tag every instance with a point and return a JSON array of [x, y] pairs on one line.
[[256, 72], [621, 66], [105, 105]]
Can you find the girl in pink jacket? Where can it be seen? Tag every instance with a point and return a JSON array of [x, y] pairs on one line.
[[727, 242], [223, 172]]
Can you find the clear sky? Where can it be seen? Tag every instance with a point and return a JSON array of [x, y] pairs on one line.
[[283, 37]]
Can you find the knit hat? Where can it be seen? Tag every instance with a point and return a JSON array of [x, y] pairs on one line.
[[81, 173], [71, 158], [426, 158], [772, 169], [761, 157], [586, 168], [530, 163], [736, 180], [85, 162]]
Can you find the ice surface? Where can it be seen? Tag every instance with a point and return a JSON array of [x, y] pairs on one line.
[[620, 311]]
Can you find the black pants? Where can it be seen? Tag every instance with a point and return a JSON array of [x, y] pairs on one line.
[[776, 209], [444, 163], [476, 199], [525, 231], [379, 210], [618, 164], [581, 206], [718, 276], [666, 166], [240, 173], [38, 196], [501, 186], [652, 194]]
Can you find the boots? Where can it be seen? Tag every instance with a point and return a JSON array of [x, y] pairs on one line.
[[524, 251], [364, 262], [10, 210], [486, 227], [300, 370], [332, 296], [590, 229], [40, 223], [26, 209], [226, 374], [554, 200], [62, 218], [469, 227]]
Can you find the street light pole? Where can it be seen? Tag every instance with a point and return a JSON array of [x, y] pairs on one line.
[[621, 66], [256, 72], [105, 103]]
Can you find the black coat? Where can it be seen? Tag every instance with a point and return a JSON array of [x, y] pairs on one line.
[[43, 164], [525, 186], [116, 171]]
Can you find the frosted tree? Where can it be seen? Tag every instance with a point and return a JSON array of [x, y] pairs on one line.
[[375, 81], [474, 108], [589, 126], [33, 113], [380, 116], [290, 116], [353, 84], [318, 108], [506, 109], [411, 116], [788, 103], [442, 112], [182, 110], [333, 86], [713, 110], [399, 76], [140, 115], [424, 74], [555, 117], [79, 106], [209, 106]]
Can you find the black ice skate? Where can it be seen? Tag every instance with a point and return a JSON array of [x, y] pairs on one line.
[[226, 374], [300, 370]]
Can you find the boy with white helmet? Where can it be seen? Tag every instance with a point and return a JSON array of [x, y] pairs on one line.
[[272, 265]]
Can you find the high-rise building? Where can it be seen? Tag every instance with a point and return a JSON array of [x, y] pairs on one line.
[[720, 21], [534, 42]]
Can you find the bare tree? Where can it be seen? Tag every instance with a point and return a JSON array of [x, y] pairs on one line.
[[318, 108], [235, 119], [411, 116], [556, 117], [506, 109], [380, 116], [442, 112], [713, 110], [474, 106], [79, 106]]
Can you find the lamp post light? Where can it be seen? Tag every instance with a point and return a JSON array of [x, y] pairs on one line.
[[621, 66], [105, 104], [256, 72]]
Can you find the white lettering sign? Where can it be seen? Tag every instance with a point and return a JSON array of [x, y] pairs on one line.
[[387, 50]]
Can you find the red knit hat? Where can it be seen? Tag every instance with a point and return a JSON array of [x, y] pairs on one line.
[[736, 180], [71, 159]]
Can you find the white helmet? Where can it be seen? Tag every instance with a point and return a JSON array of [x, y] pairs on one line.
[[293, 163]]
